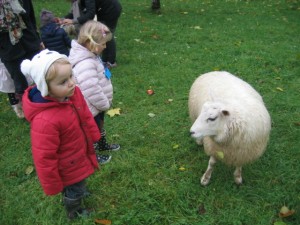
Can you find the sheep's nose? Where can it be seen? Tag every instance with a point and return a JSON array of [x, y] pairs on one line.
[[192, 132]]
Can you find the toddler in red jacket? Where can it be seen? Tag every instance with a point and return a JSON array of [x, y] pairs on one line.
[[62, 131]]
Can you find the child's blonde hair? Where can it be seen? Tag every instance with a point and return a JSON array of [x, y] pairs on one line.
[[52, 71], [93, 33]]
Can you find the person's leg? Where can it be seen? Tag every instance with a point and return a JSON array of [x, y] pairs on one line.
[[72, 198], [15, 104], [155, 4], [102, 144], [20, 82], [109, 54], [102, 159]]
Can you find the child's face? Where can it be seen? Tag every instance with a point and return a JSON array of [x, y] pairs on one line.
[[62, 85], [99, 48]]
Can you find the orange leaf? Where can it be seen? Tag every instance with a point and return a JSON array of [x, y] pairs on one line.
[[103, 222]]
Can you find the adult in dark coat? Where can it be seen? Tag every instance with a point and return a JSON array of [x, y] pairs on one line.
[[81, 11], [108, 13]]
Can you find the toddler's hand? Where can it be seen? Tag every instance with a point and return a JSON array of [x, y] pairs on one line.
[[67, 21]]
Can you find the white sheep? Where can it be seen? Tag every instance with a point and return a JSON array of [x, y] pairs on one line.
[[230, 119]]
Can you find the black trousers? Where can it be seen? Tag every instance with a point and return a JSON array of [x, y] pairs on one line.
[[14, 68]]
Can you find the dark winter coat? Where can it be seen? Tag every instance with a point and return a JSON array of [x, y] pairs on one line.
[[30, 41], [87, 11], [55, 38], [108, 11], [62, 137]]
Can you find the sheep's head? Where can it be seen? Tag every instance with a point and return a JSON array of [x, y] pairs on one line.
[[210, 121]]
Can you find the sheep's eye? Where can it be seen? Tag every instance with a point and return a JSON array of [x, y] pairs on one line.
[[212, 119]]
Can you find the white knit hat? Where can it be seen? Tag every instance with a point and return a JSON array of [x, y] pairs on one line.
[[37, 68]]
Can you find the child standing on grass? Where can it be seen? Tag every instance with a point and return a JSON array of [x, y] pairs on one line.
[[91, 76], [63, 129]]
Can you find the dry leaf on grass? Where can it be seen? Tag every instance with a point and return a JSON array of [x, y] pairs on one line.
[[29, 170], [113, 112], [103, 222], [151, 115], [182, 168], [279, 89], [175, 146], [285, 212]]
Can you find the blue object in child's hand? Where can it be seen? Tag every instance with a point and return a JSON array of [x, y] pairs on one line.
[[107, 73]]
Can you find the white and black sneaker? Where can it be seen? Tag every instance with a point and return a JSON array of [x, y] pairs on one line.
[[103, 159]]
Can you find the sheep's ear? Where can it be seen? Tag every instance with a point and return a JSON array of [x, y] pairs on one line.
[[225, 113]]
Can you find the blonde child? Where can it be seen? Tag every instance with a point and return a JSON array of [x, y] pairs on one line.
[[63, 129], [91, 76]]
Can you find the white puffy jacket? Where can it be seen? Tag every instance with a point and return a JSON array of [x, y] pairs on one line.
[[90, 78]]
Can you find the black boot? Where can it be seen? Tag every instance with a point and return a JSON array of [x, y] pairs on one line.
[[155, 4], [74, 208], [102, 145]]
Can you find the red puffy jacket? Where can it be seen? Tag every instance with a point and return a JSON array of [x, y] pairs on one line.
[[62, 137]]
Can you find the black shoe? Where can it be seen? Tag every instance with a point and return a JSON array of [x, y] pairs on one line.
[[155, 4]]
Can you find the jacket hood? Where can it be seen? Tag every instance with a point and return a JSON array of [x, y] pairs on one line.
[[31, 109], [49, 29], [79, 53]]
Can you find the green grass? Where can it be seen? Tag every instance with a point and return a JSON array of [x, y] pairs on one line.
[[256, 40]]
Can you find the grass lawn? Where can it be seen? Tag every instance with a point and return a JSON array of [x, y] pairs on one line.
[[154, 178]]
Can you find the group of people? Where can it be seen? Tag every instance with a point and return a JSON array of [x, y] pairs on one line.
[[72, 89]]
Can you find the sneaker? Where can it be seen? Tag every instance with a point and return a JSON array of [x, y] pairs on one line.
[[18, 110], [113, 147], [103, 159], [108, 147]]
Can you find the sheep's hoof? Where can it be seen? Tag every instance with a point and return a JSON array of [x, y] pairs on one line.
[[204, 180], [238, 180]]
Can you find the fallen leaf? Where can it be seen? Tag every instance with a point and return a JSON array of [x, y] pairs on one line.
[[151, 115], [29, 170], [113, 112], [197, 28], [175, 146], [285, 212], [103, 222], [181, 168], [220, 154], [279, 89]]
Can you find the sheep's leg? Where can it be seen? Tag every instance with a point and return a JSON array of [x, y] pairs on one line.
[[238, 175], [206, 176]]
